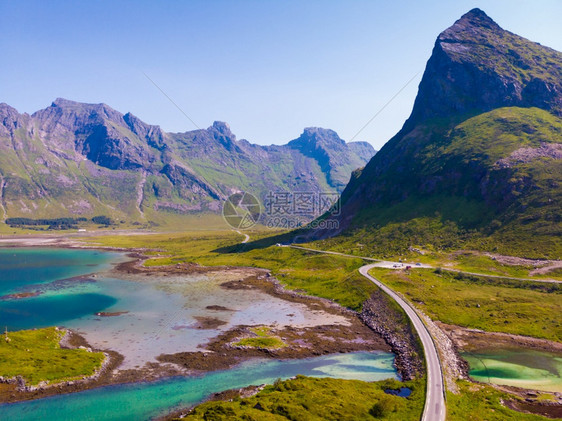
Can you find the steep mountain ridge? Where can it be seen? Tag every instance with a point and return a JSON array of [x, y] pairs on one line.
[[480, 152], [476, 66], [76, 159]]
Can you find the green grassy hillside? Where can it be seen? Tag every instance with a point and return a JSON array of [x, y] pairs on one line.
[[493, 181]]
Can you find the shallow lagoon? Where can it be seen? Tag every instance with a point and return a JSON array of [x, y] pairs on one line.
[[21, 268], [159, 312], [525, 368], [160, 318], [50, 272]]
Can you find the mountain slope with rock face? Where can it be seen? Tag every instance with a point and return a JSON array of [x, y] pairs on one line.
[[75, 160], [479, 157]]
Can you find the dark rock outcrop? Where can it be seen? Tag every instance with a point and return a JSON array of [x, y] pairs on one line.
[[476, 66], [393, 325]]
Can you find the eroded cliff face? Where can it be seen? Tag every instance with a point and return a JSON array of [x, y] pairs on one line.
[[476, 66]]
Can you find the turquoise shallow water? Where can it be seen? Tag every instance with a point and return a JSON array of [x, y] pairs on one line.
[[159, 318], [44, 270], [159, 314], [517, 367], [147, 400], [24, 267]]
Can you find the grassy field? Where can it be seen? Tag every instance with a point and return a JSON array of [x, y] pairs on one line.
[[495, 305], [170, 223], [306, 398], [482, 403], [476, 262], [469, 260], [499, 305], [263, 339], [36, 356], [325, 276], [464, 260]]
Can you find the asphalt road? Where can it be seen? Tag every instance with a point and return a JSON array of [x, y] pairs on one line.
[[401, 265], [434, 408]]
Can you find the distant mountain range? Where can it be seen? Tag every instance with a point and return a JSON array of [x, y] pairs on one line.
[[480, 155], [76, 160]]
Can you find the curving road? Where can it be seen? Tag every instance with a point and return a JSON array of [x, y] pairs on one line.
[[434, 408], [401, 265], [246, 237]]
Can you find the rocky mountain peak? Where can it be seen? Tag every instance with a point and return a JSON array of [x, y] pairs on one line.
[[470, 33], [331, 152], [477, 66], [66, 107], [316, 138], [489, 103], [9, 118], [221, 132], [470, 22], [223, 128], [5, 108], [7, 111], [64, 103], [321, 133]]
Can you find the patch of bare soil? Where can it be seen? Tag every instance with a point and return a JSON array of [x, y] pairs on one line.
[[473, 339], [540, 266], [527, 154], [546, 409], [205, 322], [221, 353]]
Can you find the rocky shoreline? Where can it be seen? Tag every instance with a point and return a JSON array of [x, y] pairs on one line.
[[394, 327]]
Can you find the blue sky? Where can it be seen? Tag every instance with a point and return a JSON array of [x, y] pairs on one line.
[[268, 68]]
